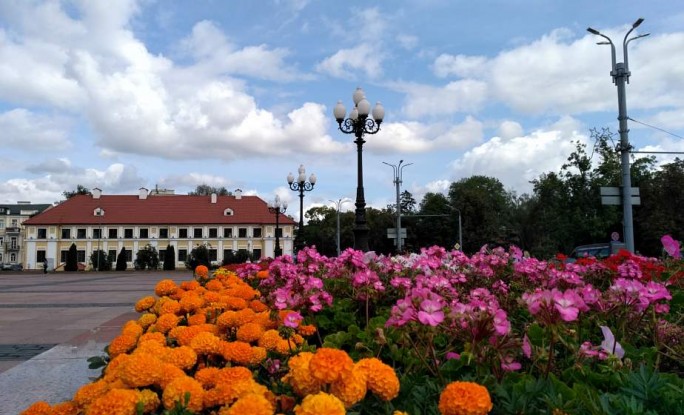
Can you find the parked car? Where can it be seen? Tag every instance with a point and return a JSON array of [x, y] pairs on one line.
[[12, 267], [598, 251]]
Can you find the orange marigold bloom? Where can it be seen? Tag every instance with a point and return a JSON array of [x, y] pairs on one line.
[[212, 297], [320, 403], [177, 390], [190, 303], [149, 399], [114, 402], [202, 272], [258, 355], [352, 388], [382, 380], [464, 398], [65, 408], [183, 357], [89, 392], [307, 330], [147, 319], [123, 343], [214, 285], [329, 365], [144, 303], [237, 352], [235, 303], [133, 328], [233, 374], [258, 306], [207, 376], [269, 340], [166, 322], [169, 374], [154, 337], [250, 332], [184, 334], [263, 274], [141, 369], [165, 287], [166, 305], [152, 347], [249, 403], [227, 320], [285, 346], [38, 408], [190, 285], [242, 290], [299, 376], [206, 343], [111, 371]]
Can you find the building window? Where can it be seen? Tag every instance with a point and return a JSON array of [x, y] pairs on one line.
[[279, 232], [42, 233], [80, 256], [97, 233], [15, 223], [182, 255], [129, 255], [13, 257], [81, 233], [63, 256], [162, 254], [163, 232], [144, 233], [111, 255], [256, 232], [113, 233], [2, 223], [197, 232], [213, 232], [183, 233], [213, 255], [256, 253], [128, 233], [242, 232], [227, 232], [66, 233], [40, 255], [227, 254], [13, 242]]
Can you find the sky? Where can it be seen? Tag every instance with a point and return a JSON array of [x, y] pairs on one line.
[[172, 94]]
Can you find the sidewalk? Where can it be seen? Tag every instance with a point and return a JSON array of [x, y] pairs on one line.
[[72, 316]]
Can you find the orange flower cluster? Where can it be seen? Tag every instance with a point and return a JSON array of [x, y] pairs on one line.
[[198, 342], [465, 398]]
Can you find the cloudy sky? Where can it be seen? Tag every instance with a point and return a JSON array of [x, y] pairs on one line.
[[125, 94]]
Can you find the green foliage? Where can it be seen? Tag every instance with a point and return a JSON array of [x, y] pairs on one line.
[[100, 261], [121, 264], [198, 256], [71, 259], [170, 258], [80, 190], [147, 257], [206, 190]]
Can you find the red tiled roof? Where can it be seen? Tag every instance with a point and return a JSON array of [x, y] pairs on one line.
[[158, 210]]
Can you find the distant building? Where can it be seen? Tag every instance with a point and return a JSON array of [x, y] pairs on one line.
[[224, 224], [12, 232]]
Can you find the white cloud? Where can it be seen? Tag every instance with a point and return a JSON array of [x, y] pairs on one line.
[[407, 42], [460, 65], [345, 62], [457, 96], [510, 129], [22, 128]]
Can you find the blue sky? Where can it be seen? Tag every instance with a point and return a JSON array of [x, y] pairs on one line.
[[127, 94]]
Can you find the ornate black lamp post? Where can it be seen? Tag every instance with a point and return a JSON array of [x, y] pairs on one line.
[[277, 208], [359, 124], [301, 186]]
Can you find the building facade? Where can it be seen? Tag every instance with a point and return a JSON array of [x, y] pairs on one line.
[[12, 231], [224, 224]]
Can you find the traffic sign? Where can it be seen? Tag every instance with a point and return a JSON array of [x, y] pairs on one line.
[[615, 236]]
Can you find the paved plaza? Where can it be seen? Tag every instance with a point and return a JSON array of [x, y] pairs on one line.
[[50, 324]]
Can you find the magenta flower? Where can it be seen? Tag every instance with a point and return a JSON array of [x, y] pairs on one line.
[[430, 313], [501, 324], [452, 355], [566, 304], [526, 346], [510, 365], [609, 344], [671, 247], [293, 319]]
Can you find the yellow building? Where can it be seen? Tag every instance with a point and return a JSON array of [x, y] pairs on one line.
[[225, 224]]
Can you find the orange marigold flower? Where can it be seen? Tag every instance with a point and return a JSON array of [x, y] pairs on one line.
[[258, 355], [178, 388], [235, 303], [166, 305], [285, 346], [250, 332], [237, 352], [269, 340], [212, 297], [320, 403], [111, 371], [214, 285], [226, 393], [141, 369], [183, 357], [258, 306], [152, 347], [352, 388], [149, 399], [38, 408], [65, 408], [133, 328], [263, 274], [183, 335], [464, 398], [154, 337], [382, 380], [146, 320], [306, 330], [169, 374], [299, 376], [123, 343], [202, 272], [190, 303], [329, 365], [242, 290], [232, 374], [114, 402], [249, 403], [227, 320], [89, 392], [211, 328], [166, 322], [207, 376], [165, 287], [144, 303], [206, 343], [190, 285]]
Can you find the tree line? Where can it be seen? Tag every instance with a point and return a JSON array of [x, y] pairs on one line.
[[563, 210]]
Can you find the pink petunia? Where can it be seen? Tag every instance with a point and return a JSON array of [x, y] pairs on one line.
[[526, 347], [430, 313], [565, 304], [671, 247]]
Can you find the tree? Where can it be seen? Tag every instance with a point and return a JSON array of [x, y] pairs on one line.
[[121, 264], [170, 258], [407, 202], [80, 190], [198, 256], [206, 190], [71, 259], [435, 224], [100, 260], [147, 257]]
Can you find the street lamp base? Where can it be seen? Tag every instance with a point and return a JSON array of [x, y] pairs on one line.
[[361, 238]]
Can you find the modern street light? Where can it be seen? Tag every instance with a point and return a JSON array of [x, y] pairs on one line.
[[338, 203], [620, 73], [277, 208], [398, 169], [359, 124], [460, 234], [301, 186]]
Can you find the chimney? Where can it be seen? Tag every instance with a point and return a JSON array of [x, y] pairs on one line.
[[238, 194], [142, 193], [97, 193], [213, 198]]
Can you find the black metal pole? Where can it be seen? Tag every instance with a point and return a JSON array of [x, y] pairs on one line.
[[360, 226], [299, 240], [277, 252]]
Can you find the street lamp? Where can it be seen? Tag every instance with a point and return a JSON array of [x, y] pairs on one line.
[[301, 186], [359, 124], [277, 208], [460, 234], [99, 213], [620, 73], [338, 203], [398, 169]]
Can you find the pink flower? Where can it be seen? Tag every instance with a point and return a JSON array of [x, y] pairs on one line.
[[526, 347], [501, 324], [293, 319], [671, 247], [510, 365], [609, 344], [566, 304], [452, 355], [430, 313]]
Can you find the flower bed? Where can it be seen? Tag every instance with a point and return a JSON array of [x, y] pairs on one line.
[[431, 333]]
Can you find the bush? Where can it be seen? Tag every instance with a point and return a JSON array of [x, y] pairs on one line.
[[198, 256], [121, 260], [147, 257], [71, 259], [100, 261], [170, 258]]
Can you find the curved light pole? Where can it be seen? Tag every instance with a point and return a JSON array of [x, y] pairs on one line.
[[301, 186], [338, 203], [277, 208], [398, 175], [620, 73], [359, 124]]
